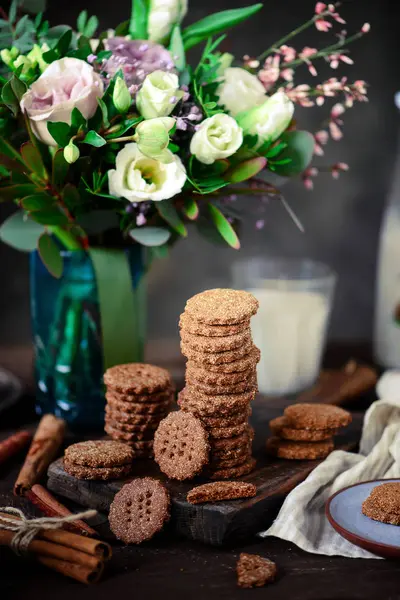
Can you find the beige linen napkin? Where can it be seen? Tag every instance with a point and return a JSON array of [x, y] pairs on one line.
[[302, 520]]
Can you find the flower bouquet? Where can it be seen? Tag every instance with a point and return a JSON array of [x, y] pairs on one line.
[[112, 142]]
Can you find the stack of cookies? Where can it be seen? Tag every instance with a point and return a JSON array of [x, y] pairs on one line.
[[306, 431], [221, 378], [138, 397]]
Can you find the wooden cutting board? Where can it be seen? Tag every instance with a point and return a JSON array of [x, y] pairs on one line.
[[219, 522]]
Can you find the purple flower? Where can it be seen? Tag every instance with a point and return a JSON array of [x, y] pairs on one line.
[[260, 224], [136, 59], [140, 220]]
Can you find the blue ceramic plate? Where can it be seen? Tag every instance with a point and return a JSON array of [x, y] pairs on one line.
[[343, 510]]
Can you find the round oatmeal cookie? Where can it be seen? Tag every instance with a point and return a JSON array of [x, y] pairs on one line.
[[139, 435], [137, 378], [142, 408], [213, 406], [216, 358], [234, 472], [139, 510], [189, 325], [222, 306], [202, 343], [206, 377], [181, 446], [96, 473], [132, 428], [227, 463], [299, 450], [233, 453], [249, 361], [383, 503], [141, 449], [217, 433], [234, 419], [157, 398], [133, 419], [279, 427], [238, 442], [316, 416], [99, 453], [249, 385]]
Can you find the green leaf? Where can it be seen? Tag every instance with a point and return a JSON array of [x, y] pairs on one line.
[[61, 133], [274, 151], [91, 26], [97, 221], [81, 21], [50, 255], [245, 170], [20, 232], [150, 236], [299, 149], [139, 19], [9, 98], [59, 169], [14, 192], [104, 112], [64, 42], [168, 212], [78, 121], [37, 202], [19, 87], [177, 49], [216, 23], [8, 150], [71, 196], [124, 127], [123, 28], [224, 227], [50, 217], [94, 139], [190, 208], [12, 15], [33, 159], [119, 301]]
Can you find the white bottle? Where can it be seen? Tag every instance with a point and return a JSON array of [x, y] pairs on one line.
[[387, 316]]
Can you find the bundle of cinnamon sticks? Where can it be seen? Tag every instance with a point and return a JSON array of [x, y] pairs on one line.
[[73, 555]]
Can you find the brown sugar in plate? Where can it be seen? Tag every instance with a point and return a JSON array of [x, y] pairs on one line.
[[181, 446], [96, 473], [139, 510], [299, 450], [221, 490], [254, 571], [222, 306], [316, 416], [189, 325], [99, 453], [137, 378], [279, 427], [383, 503]]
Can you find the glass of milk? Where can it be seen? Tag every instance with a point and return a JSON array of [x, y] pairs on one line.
[[295, 297]]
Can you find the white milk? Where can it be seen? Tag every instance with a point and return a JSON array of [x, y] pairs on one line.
[[387, 331], [290, 329]]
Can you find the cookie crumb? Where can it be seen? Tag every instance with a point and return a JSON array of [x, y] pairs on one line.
[[221, 490], [254, 571]]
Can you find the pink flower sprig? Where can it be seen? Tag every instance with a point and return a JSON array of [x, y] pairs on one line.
[[309, 174], [323, 12]]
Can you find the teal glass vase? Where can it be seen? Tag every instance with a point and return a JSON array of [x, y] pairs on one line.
[[67, 337]]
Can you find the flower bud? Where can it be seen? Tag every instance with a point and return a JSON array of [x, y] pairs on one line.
[[216, 137], [8, 56], [158, 95], [71, 153], [27, 65], [152, 137], [269, 120], [36, 56], [121, 96], [225, 62], [163, 15]]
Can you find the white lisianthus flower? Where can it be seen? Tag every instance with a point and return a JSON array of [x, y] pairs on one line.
[[158, 95], [65, 84], [137, 177], [240, 91], [163, 15], [269, 120], [216, 137]]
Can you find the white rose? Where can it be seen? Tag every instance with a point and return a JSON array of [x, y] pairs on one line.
[[163, 15], [268, 120], [217, 137], [65, 84], [240, 90], [158, 95], [138, 177]]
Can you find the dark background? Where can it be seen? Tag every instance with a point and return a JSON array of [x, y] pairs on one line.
[[342, 218]]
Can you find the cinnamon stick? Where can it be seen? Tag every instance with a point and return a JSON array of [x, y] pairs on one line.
[[45, 445], [97, 548], [78, 572], [13, 444], [51, 507], [44, 548]]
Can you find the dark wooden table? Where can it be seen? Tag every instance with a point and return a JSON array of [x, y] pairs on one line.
[[168, 567]]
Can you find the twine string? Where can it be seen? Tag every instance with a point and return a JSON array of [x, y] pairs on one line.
[[26, 529]]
